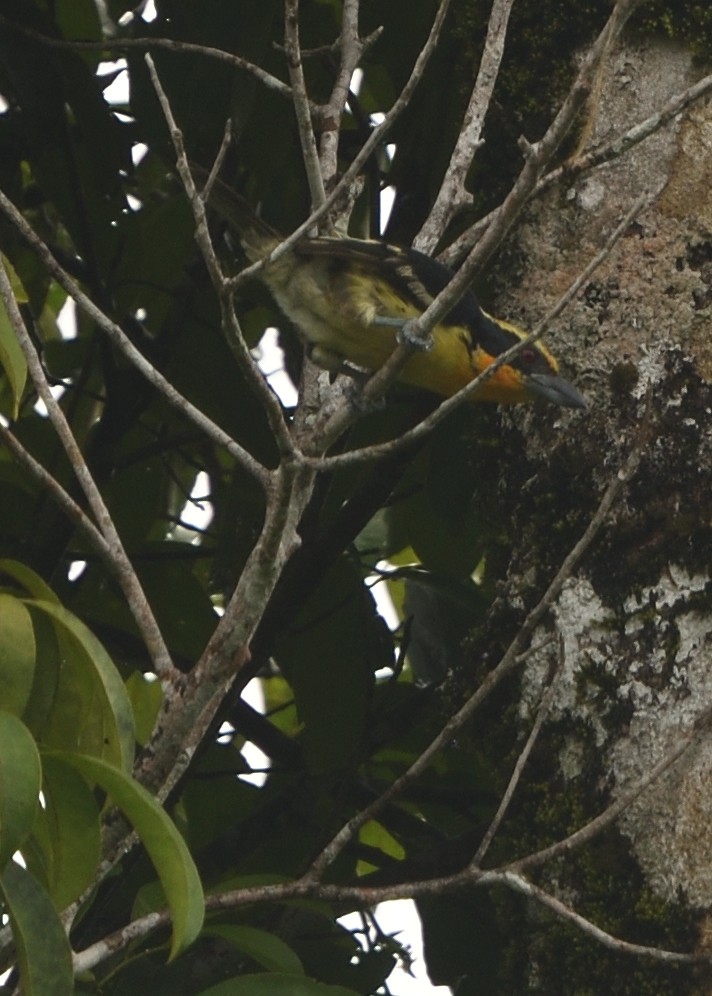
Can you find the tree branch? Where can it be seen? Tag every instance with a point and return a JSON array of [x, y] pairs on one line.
[[230, 323], [147, 44], [376, 138], [364, 897], [117, 335], [506, 665], [700, 727], [453, 194], [74, 512], [565, 912], [190, 707], [541, 714], [350, 49], [604, 153], [537, 157], [300, 101], [113, 550]]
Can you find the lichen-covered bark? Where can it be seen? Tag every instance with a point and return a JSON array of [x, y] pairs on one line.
[[635, 622]]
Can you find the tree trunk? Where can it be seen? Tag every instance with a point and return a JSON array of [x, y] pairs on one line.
[[634, 620]]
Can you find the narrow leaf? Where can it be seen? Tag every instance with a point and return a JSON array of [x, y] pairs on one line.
[[12, 359], [164, 844], [73, 836], [28, 579], [20, 783], [17, 654], [266, 949], [44, 955], [92, 711]]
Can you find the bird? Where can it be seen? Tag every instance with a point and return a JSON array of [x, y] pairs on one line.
[[349, 298]]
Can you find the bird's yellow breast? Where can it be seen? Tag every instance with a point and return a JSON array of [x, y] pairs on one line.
[[308, 294]]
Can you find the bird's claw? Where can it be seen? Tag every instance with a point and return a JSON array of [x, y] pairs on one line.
[[408, 336]]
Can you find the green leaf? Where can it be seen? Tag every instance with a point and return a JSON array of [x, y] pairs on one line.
[[44, 688], [28, 579], [442, 610], [275, 984], [92, 713], [44, 955], [17, 654], [146, 699], [336, 643], [20, 783], [72, 841], [12, 359], [165, 846], [269, 951], [375, 835]]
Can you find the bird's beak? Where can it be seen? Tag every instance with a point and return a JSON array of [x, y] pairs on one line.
[[556, 390]]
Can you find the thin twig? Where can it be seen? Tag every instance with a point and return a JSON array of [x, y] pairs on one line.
[[601, 822], [565, 912], [453, 195], [540, 154], [300, 101], [506, 665], [365, 897], [537, 157], [217, 164], [147, 44], [604, 153], [117, 335], [121, 565], [74, 512], [542, 712], [188, 713], [350, 49], [376, 138], [230, 323]]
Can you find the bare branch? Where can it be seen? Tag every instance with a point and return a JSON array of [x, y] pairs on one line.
[[190, 709], [214, 169], [542, 712], [149, 44], [564, 912], [506, 665], [537, 156], [300, 101], [109, 945], [376, 138], [604, 153], [113, 550], [350, 49], [453, 195], [596, 826], [230, 323], [117, 335], [364, 897], [74, 512]]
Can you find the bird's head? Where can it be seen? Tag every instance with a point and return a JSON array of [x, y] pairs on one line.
[[532, 373]]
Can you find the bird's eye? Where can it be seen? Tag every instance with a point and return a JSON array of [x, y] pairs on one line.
[[528, 356]]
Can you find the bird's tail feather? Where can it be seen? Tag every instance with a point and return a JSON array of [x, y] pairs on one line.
[[256, 236]]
